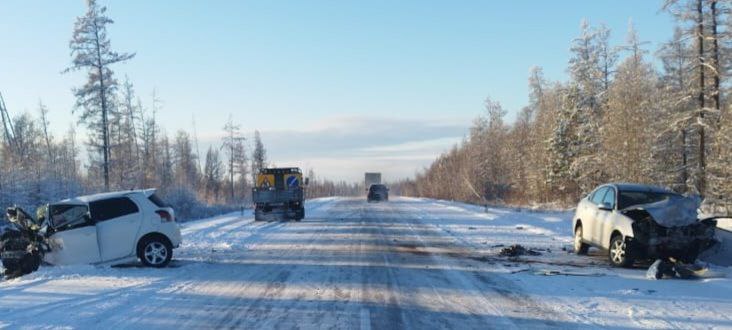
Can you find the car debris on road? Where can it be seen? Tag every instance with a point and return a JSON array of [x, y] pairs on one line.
[[669, 268], [518, 250]]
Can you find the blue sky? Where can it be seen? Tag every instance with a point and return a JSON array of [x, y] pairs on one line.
[[341, 86]]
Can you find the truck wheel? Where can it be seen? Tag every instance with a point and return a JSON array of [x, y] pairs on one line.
[[155, 252], [618, 253], [580, 247]]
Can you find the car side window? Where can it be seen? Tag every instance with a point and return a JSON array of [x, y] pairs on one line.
[[598, 196], [67, 217], [610, 197], [111, 208]]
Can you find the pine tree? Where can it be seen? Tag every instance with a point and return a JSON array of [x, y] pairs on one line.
[[587, 106], [91, 51], [627, 143]]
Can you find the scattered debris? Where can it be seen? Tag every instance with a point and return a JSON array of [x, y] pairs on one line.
[[665, 268], [520, 270], [566, 273], [518, 250]]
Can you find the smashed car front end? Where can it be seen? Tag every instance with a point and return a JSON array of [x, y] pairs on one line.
[[669, 229], [21, 244]]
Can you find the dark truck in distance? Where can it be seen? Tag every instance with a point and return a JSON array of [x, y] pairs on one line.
[[378, 193], [279, 194]]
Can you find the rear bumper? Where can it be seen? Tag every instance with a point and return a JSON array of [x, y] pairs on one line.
[[265, 196], [377, 198], [172, 231], [278, 213]]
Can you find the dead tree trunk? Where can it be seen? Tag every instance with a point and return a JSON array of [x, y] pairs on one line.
[[700, 40]]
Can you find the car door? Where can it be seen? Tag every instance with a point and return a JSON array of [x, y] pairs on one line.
[[117, 221], [604, 222], [74, 240], [590, 212]]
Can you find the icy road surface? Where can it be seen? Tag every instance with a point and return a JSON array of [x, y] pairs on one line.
[[407, 264]]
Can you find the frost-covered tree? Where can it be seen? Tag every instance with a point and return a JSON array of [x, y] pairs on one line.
[[607, 56], [259, 155], [490, 135], [185, 164], [672, 144], [91, 51], [586, 108], [700, 21], [627, 143], [212, 174], [233, 145], [561, 150]]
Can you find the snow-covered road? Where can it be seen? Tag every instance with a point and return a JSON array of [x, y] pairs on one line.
[[409, 263]]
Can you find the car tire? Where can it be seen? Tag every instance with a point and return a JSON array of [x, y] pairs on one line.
[[580, 247], [155, 251], [618, 253]]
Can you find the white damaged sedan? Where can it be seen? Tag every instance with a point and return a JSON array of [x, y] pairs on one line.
[[635, 221]]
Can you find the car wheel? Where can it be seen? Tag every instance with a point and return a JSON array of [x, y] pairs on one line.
[[618, 252], [155, 252], [580, 247]]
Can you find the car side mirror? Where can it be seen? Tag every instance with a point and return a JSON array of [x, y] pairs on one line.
[[605, 206], [307, 181]]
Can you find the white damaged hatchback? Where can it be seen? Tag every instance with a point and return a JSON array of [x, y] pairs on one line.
[[112, 228]]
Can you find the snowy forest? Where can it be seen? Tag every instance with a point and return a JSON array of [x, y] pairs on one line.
[[127, 148], [626, 114]]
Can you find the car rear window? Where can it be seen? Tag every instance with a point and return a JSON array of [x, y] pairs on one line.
[[377, 188], [111, 208], [159, 202]]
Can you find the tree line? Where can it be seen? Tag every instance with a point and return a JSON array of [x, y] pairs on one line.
[[127, 148], [618, 118]]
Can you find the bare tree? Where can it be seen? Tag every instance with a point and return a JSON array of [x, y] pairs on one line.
[[233, 144], [259, 155]]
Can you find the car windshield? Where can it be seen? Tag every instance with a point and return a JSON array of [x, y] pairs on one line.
[[631, 198]]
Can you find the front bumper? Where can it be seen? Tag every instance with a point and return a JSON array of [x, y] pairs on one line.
[[684, 243]]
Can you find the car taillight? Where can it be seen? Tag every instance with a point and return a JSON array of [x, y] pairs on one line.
[[164, 216]]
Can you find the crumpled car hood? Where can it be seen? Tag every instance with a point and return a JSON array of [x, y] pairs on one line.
[[676, 211]]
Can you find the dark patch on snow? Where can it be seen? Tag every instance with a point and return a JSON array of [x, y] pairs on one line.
[[518, 250]]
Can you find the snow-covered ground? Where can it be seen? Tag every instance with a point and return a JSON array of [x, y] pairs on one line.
[[409, 263]]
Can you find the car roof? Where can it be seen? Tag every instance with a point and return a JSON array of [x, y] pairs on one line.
[[95, 197], [623, 186]]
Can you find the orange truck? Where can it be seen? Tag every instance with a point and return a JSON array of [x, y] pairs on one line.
[[279, 194]]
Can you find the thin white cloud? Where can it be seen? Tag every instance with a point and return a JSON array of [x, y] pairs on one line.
[[344, 147]]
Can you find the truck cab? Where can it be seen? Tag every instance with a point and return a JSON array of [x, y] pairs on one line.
[[279, 194]]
